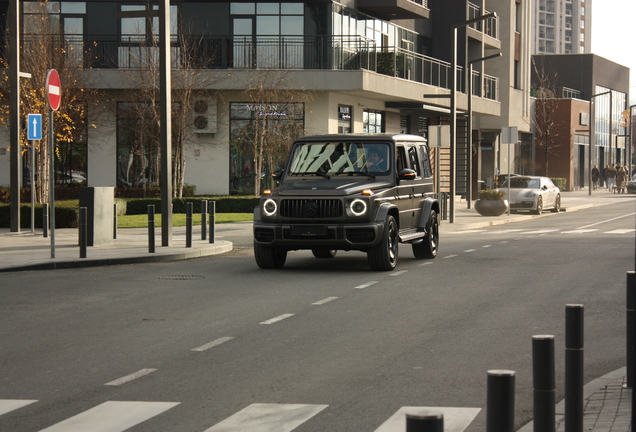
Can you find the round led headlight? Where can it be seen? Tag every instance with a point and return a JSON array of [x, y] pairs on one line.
[[358, 207], [270, 207]]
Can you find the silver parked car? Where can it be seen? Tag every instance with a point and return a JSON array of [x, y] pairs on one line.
[[532, 193]]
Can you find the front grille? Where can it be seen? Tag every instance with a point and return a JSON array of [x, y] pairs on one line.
[[311, 208]]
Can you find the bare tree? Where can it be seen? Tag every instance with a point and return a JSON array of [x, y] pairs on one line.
[[44, 47], [545, 121], [267, 137], [143, 134]]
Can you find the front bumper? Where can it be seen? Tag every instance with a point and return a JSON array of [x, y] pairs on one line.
[[311, 236]]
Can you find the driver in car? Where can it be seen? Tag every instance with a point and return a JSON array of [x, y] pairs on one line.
[[375, 162]]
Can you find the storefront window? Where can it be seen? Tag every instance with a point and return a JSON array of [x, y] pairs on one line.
[[274, 126], [373, 121]]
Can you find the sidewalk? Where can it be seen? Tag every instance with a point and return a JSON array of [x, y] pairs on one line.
[[607, 402]]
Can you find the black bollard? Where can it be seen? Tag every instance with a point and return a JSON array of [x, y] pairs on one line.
[[114, 221], [574, 368], [429, 422], [630, 330], [543, 382], [212, 210], [500, 415], [188, 224], [45, 220], [82, 231], [204, 219], [151, 229]]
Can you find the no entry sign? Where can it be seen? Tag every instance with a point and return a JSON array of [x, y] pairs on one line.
[[53, 89]]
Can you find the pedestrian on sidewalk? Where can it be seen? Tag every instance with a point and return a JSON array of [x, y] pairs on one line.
[[621, 178], [595, 175], [610, 177]]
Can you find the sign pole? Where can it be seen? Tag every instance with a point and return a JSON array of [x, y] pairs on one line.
[[34, 133], [54, 93]]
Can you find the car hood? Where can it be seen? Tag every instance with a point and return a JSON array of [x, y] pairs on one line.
[[330, 187]]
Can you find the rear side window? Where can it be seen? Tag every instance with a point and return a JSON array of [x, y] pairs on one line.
[[426, 162]]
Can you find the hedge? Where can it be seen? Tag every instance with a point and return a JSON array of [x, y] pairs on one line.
[[72, 191], [67, 212], [66, 215]]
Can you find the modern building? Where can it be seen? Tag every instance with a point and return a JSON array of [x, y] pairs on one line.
[[562, 26], [248, 71], [573, 80]]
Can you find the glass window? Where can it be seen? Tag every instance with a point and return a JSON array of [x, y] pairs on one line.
[[267, 25], [242, 8], [373, 121], [267, 8], [73, 7], [291, 25], [344, 119], [414, 161], [292, 9]]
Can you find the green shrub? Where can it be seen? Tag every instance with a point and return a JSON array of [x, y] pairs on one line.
[[560, 182], [238, 204], [66, 215], [491, 194]]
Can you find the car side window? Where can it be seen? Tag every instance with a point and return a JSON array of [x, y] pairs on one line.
[[427, 171], [400, 159], [414, 160]]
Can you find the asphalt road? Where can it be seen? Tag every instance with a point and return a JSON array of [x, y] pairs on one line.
[[337, 346]]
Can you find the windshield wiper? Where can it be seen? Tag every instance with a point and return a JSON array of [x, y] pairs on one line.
[[313, 173]]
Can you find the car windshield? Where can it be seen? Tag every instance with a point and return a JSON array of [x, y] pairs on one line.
[[340, 158], [523, 183]]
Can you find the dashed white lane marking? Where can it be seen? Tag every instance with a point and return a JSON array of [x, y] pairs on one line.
[[466, 231], [486, 246], [112, 416], [8, 405], [455, 419], [539, 231], [620, 231], [450, 256], [132, 376], [366, 285], [504, 242], [579, 231], [608, 220], [212, 344], [425, 263], [277, 319], [469, 250], [268, 418], [397, 273], [325, 300]]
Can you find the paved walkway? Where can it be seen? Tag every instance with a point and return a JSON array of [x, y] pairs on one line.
[[607, 401]]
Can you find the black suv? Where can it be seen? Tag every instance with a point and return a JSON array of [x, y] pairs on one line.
[[362, 192]]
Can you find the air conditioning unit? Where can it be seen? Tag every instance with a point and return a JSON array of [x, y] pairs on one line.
[[204, 116]]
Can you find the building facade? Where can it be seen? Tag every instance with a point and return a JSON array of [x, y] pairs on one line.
[[246, 73], [562, 26]]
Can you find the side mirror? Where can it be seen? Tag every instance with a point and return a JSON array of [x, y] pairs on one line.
[[407, 174], [278, 175]]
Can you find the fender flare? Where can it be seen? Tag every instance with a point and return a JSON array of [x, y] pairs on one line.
[[383, 211], [427, 205]]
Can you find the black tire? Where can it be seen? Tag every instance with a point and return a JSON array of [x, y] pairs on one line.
[[384, 256], [269, 257], [557, 204], [324, 253], [427, 249], [539, 205]]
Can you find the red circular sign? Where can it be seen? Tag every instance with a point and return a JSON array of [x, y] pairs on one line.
[[53, 89]]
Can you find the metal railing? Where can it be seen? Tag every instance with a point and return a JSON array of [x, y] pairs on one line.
[[489, 26], [276, 52]]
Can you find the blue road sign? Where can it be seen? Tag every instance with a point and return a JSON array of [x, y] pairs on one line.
[[34, 129]]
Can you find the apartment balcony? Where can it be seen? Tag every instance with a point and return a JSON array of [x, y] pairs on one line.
[[395, 9], [486, 31], [293, 53]]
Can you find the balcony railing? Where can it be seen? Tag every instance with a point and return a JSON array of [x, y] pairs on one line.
[[490, 26], [283, 52]]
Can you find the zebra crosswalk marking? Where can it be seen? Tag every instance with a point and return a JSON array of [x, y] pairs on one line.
[[579, 231], [621, 231], [112, 416], [455, 419], [268, 418], [8, 405]]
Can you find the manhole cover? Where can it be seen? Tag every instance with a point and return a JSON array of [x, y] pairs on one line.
[[180, 277]]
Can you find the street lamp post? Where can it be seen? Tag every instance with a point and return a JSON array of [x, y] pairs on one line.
[[469, 92], [453, 107]]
